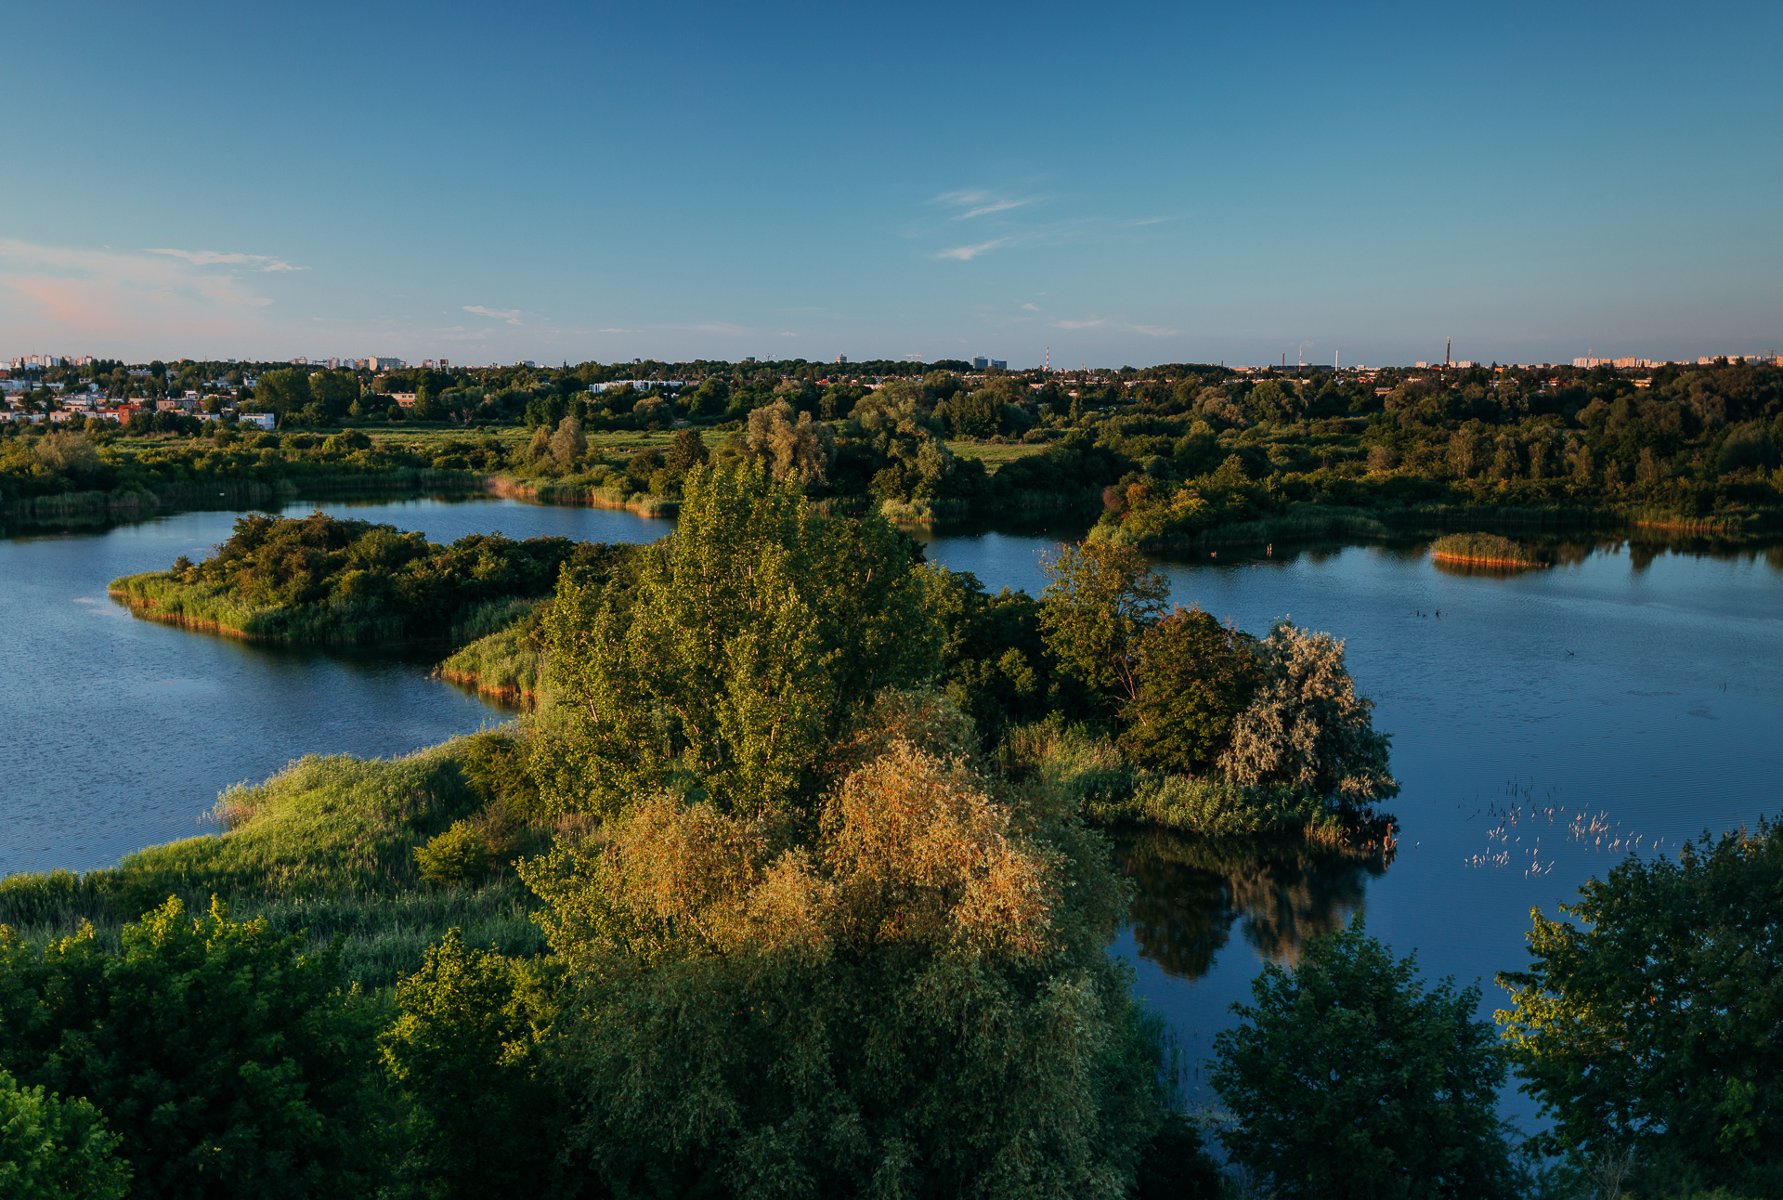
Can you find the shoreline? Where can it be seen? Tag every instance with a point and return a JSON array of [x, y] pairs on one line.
[[1491, 563]]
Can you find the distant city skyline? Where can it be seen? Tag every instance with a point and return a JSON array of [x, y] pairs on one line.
[[843, 363], [1207, 184]]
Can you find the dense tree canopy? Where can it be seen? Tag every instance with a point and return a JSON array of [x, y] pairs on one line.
[[763, 1012], [1194, 677], [55, 1149], [326, 579], [1305, 727], [1349, 1078], [752, 637], [1099, 600], [1651, 1024], [227, 1060]]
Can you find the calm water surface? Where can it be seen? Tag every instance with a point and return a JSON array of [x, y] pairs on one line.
[[1612, 699], [117, 733], [1641, 696]]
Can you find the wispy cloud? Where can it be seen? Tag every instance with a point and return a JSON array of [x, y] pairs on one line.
[[971, 203], [968, 253], [712, 328], [509, 315], [1079, 324], [1142, 222], [1031, 307], [220, 258]]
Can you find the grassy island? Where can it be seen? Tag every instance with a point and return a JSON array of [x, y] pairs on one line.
[[1487, 551], [322, 580]]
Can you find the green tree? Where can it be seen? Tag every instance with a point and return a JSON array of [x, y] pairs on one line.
[[1349, 1078], [800, 450], [334, 392], [1100, 599], [466, 1050], [1306, 727], [567, 445], [286, 390], [1651, 1023], [55, 1149], [1194, 677], [753, 635], [225, 1057]]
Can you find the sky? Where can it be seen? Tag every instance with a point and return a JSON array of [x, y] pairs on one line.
[[1118, 184]]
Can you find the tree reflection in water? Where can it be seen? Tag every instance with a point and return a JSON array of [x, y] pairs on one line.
[[1188, 891]]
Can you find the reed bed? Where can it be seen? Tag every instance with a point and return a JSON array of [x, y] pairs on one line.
[[1487, 550]]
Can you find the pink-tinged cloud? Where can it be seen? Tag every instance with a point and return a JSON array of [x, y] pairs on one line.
[[94, 300], [75, 303]]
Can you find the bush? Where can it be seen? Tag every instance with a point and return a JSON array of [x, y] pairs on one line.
[[457, 856], [55, 1149], [228, 1061]]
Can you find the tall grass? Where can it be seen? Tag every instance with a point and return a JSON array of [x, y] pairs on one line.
[[1487, 550], [507, 664], [327, 846]]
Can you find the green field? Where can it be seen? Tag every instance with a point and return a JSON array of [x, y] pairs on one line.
[[994, 455], [428, 441]]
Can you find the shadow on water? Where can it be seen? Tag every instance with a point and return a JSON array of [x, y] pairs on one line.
[[1189, 892]]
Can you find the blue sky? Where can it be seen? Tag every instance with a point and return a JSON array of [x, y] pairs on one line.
[[1122, 183]]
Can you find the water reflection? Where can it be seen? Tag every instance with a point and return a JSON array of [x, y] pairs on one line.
[[1642, 547], [1190, 891]]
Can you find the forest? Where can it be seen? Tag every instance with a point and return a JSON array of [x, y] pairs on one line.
[[1177, 457], [795, 879]]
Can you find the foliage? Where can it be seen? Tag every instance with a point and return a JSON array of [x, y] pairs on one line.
[[1306, 727], [1213, 807], [55, 1149], [567, 445], [1649, 1023], [757, 1013], [100, 470], [227, 1060], [1348, 1077], [467, 1050], [324, 579], [1194, 676], [757, 630], [799, 451], [1100, 598], [459, 855], [994, 661]]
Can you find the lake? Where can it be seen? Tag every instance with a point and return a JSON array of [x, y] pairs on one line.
[[1544, 725]]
